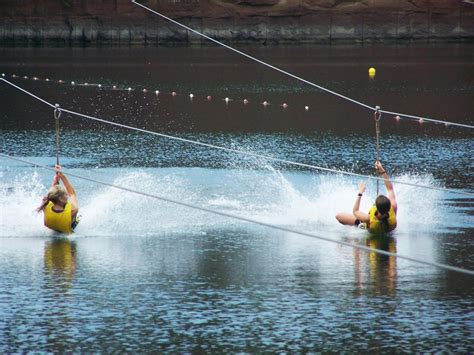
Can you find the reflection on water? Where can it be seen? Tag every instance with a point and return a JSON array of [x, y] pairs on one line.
[[380, 270], [55, 303], [228, 289], [60, 261]]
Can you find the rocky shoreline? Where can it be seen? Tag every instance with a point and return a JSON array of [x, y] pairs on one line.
[[38, 22]]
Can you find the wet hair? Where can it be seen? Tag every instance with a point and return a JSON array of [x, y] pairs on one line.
[[383, 205], [54, 194]]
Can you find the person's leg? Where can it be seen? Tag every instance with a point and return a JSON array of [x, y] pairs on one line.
[[346, 219]]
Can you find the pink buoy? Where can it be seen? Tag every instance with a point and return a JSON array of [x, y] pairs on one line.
[[209, 98], [285, 105], [265, 103], [246, 101], [173, 93], [397, 118], [306, 108]]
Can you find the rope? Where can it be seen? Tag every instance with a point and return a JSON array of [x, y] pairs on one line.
[[253, 58], [237, 151], [29, 93], [249, 220], [290, 74], [377, 116], [57, 114]]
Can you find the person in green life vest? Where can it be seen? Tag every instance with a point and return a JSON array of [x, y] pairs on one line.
[[60, 205], [382, 216]]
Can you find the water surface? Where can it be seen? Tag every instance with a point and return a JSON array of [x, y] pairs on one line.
[[141, 274]]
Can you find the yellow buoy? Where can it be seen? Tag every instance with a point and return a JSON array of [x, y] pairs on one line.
[[371, 72]]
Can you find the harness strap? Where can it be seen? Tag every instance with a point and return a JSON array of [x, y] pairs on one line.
[[57, 114], [377, 117]]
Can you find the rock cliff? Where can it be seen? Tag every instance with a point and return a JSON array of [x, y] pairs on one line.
[[262, 21]]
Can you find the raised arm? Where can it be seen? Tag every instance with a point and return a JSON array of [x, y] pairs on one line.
[[55, 180], [388, 184], [361, 216], [69, 188]]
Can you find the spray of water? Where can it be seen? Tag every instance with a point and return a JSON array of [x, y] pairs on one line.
[[19, 198], [300, 200]]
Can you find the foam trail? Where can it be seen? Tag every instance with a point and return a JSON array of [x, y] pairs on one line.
[[298, 200]]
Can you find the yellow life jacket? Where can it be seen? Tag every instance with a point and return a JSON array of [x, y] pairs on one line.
[[378, 226], [58, 221]]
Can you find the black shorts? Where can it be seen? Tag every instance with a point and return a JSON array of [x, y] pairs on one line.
[[75, 222], [359, 224]]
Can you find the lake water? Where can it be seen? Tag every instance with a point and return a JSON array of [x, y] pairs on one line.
[[144, 275]]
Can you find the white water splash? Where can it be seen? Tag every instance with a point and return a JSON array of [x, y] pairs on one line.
[[301, 201]]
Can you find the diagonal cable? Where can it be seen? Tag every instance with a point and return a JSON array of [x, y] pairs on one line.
[[293, 75]]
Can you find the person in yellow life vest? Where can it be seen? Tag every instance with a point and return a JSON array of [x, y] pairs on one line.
[[382, 216], [60, 205]]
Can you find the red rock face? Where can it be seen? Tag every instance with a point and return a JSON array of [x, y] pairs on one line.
[[263, 21]]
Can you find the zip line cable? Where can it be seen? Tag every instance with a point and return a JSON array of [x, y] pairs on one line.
[[57, 114], [251, 57], [249, 220], [377, 117], [29, 93], [293, 75], [232, 150]]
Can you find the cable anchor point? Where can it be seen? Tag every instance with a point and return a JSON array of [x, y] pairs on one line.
[[57, 112], [377, 113]]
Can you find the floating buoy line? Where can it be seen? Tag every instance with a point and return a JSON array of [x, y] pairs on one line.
[[158, 93], [227, 100]]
